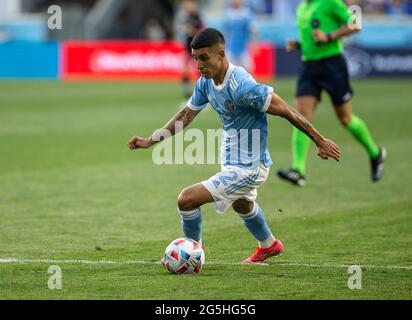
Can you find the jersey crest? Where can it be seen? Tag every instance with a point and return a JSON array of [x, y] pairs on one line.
[[230, 106]]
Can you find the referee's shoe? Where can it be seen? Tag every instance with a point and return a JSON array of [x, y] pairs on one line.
[[292, 176], [377, 165]]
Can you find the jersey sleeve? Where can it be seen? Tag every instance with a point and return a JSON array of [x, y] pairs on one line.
[[198, 100], [340, 11], [251, 94]]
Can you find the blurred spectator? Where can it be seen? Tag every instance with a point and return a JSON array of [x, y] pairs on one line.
[[354, 2], [285, 10], [261, 6], [154, 31], [372, 6], [383, 7], [396, 7]]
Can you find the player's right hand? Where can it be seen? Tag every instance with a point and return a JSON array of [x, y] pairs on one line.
[[139, 143], [292, 45], [327, 148]]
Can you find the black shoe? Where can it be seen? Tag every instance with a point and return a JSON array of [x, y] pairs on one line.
[[377, 165], [292, 176]]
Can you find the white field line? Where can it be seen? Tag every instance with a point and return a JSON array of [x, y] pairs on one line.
[[213, 262]]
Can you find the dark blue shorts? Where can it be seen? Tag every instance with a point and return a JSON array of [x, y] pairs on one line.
[[330, 74]]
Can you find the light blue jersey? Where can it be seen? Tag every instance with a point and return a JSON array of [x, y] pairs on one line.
[[237, 29], [241, 103]]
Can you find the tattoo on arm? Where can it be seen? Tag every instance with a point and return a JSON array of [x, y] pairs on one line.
[[180, 121], [300, 122], [279, 107]]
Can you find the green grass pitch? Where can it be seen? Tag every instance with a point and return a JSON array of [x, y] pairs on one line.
[[73, 195]]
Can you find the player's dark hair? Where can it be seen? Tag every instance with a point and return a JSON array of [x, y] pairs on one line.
[[206, 38]]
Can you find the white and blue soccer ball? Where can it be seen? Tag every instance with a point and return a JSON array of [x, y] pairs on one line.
[[184, 256]]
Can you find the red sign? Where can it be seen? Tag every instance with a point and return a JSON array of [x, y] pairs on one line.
[[140, 60], [263, 57]]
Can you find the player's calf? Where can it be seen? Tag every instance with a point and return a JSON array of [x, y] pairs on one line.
[[255, 222], [189, 202]]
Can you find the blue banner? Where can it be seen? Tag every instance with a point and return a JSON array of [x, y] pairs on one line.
[[29, 59], [362, 62]]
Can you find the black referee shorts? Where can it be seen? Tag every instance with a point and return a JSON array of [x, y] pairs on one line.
[[330, 74]]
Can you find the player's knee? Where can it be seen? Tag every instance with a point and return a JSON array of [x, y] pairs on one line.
[[185, 201], [242, 206]]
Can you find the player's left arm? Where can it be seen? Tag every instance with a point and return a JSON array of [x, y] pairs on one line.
[[340, 12], [326, 148], [344, 31]]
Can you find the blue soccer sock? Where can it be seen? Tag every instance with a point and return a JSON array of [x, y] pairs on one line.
[[256, 224], [192, 224]]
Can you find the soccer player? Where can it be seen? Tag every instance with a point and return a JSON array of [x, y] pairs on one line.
[[238, 30], [322, 24], [192, 24], [243, 105]]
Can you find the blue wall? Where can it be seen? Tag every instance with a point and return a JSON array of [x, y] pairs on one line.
[[29, 59]]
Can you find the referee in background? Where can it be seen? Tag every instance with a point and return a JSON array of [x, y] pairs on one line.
[[322, 24]]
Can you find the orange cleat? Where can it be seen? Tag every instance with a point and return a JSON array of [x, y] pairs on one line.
[[261, 255]]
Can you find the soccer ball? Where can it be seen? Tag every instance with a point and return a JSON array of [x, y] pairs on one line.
[[184, 256]]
